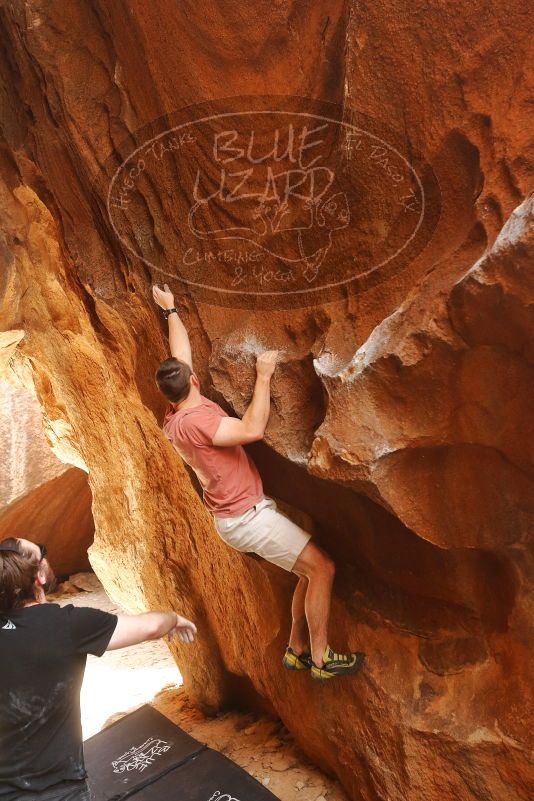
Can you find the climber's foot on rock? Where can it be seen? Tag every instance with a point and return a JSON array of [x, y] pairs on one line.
[[294, 661], [337, 665]]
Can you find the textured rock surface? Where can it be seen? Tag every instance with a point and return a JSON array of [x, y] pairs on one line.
[[27, 461], [40, 497], [400, 416]]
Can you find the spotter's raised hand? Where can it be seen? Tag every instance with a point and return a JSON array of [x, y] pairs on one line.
[[184, 630]]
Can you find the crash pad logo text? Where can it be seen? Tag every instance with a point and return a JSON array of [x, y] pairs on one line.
[[141, 757], [220, 796]]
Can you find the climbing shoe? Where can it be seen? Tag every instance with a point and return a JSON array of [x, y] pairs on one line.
[[293, 661], [337, 665]]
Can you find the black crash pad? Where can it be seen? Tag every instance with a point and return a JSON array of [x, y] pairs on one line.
[[146, 757]]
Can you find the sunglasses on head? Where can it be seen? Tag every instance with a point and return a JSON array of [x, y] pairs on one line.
[[13, 549]]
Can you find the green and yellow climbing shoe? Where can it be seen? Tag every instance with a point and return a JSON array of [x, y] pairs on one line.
[[337, 665], [293, 661]]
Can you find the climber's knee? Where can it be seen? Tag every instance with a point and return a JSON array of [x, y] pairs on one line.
[[314, 563], [329, 567]]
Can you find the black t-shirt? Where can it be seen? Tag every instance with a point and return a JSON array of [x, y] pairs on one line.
[[43, 650]]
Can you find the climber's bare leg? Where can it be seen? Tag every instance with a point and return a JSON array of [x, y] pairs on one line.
[[300, 636], [319, 569]]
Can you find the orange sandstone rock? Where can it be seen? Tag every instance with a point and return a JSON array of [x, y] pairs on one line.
[[40, 497], [400, 418]]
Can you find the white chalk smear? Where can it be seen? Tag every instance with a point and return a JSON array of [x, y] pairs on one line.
[[298, 457], [250, 345], [329, 364]]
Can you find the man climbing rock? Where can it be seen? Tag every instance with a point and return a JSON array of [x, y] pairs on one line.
[[211, 443], [43, 650]]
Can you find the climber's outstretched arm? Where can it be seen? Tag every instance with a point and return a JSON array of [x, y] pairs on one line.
[[178, 336], [251, 427]]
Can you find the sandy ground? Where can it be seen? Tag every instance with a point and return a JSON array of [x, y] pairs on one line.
[[120, 681]]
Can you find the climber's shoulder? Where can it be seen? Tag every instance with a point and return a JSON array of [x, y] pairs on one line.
[[210, 406], [195, 423]]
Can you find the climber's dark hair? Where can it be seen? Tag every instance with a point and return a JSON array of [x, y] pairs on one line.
[[173, 378], [18, 571]]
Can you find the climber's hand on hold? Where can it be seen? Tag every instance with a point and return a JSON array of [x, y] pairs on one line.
[[163, 297], [184, 630], [251, 427], [266, 362], [178, 336]]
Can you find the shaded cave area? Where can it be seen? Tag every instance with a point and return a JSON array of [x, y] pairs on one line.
[[387, 575]]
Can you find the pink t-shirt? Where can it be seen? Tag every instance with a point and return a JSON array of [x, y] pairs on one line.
[[228, 476]]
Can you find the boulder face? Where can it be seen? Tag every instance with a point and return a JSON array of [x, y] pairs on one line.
[[400, 425], [27, 461], [41, 498], [57, 514]]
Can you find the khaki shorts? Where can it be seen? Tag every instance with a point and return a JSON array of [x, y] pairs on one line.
[[264, 530]]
